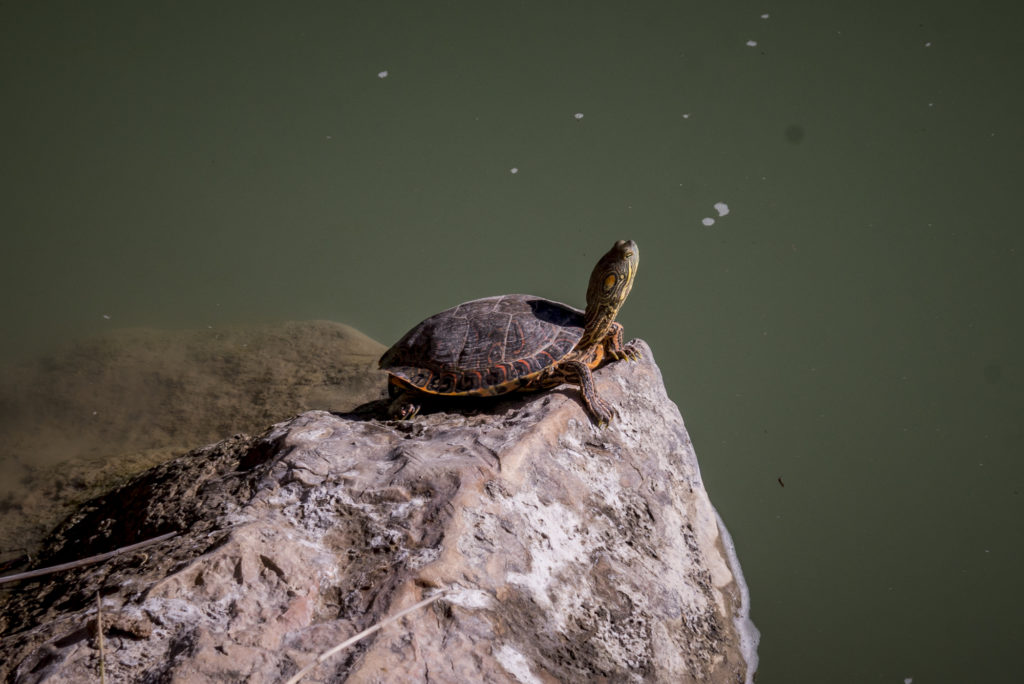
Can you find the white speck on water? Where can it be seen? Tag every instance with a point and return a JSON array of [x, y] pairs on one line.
[[751, 43], [908, 680], [708, 221], [382, 74], [514, 170], [928, 44], [106, 317], [578, 115], [328, 137], [686, 116], [931, 104], [95, 413], [722, 208], [765, 16]]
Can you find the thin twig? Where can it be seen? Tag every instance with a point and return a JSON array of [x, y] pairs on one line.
[[365, 633], [99, 637], [85, 561]]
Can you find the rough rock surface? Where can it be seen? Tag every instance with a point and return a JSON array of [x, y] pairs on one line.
[[569, 554], [100, 410]]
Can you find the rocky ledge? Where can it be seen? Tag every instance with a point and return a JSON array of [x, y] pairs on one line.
[[565, 553]]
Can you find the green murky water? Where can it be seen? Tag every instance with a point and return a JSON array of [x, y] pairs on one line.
[[844, 342]]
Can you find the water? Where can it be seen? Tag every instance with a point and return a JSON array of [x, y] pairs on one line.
[[844, 343]]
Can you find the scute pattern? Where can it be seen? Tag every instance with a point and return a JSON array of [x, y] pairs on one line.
[[487, 346]]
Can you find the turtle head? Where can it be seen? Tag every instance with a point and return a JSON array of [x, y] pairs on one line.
[[610, 284]]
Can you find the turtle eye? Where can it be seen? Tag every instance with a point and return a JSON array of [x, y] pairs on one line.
[[609, 281]]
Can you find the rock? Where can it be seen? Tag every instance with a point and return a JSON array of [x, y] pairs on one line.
[[568, 553], [100, 410]]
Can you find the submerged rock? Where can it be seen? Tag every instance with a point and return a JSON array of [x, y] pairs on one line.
[[567, 553], [100, 410]]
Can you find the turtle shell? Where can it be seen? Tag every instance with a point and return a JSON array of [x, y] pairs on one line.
[[484, 347]]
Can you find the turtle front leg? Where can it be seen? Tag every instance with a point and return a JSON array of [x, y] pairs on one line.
[[616, 349], [579, 372]]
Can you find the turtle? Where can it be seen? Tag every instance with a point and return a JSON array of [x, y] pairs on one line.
[[517, 342]]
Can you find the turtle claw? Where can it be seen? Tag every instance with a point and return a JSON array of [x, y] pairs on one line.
[[602, 412], [630, 352], [403, 409], [603, 422]]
